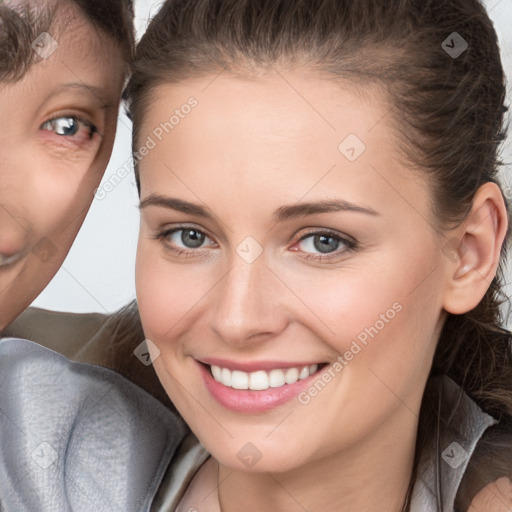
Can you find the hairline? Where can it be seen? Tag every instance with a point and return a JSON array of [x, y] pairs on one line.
[[44, 18]]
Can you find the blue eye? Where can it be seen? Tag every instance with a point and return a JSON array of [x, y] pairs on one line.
[[322, 243], [69, 126], [190, 238], [185, 240]]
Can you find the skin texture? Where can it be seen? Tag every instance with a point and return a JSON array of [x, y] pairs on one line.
[[251, 147], [496, 497], [48, 180]]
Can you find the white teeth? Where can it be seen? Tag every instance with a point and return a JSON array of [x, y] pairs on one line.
[[276, 378], [304, 373], [291, 376], [226, 377], [258, 380], [261, 380], [217, 373], [239, 380]]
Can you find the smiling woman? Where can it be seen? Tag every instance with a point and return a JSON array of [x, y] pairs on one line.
[[340, 164]]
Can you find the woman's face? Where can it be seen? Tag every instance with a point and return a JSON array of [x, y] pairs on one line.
[[281, 238], [57, 130]]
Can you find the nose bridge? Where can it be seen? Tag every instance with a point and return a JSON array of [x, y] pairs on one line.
[[246, 303]]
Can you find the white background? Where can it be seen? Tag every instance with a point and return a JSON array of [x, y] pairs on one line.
[[98, 274]]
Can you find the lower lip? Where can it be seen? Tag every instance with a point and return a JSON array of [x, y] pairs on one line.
[[249, 401]]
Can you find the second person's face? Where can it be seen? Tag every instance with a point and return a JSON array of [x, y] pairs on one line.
[[57, 127]]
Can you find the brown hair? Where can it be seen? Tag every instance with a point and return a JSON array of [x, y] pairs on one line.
[[448, 110], [20, 27]]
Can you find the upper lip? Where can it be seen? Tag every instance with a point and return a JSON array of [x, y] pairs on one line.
[[253, 366]]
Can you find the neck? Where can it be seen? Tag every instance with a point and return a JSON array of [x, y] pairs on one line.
[[374, 475]]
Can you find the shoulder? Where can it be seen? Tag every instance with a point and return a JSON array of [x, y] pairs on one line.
[[486, 484], [75, 434], [99, 339], [494, 497], [65, 333]]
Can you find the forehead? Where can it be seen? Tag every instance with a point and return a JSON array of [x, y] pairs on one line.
[[282, 117], [83, 72], [291, 134], [31, 31]]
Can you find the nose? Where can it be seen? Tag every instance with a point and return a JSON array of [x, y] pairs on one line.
[[247, 306]]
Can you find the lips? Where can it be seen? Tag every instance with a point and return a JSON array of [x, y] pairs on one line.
[[261, 379], [257, 387]]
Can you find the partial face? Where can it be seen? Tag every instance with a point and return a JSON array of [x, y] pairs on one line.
[[57, 131], [290, 279]]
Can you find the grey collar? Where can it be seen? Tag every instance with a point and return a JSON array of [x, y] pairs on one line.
[[446, 458]]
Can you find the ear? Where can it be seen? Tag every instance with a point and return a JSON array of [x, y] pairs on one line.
[[477, 245]]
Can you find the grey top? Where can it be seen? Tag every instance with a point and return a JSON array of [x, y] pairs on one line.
[[446, 458], [77, 437]]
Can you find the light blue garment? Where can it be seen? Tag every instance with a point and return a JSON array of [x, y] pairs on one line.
[[78, 437]]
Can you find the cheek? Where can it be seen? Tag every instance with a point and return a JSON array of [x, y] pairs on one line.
[[167, 294], [62, 195], [153, 298], [391, 338], [391, 306]]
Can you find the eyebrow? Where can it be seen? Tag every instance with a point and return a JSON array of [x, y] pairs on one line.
[[280, 215], [312, 208], [96, 92], [176, 204]]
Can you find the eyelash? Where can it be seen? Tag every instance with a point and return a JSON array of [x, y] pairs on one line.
[[50, 127], [351, 245]]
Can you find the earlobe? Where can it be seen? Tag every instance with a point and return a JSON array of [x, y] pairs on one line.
[[481, 237]]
